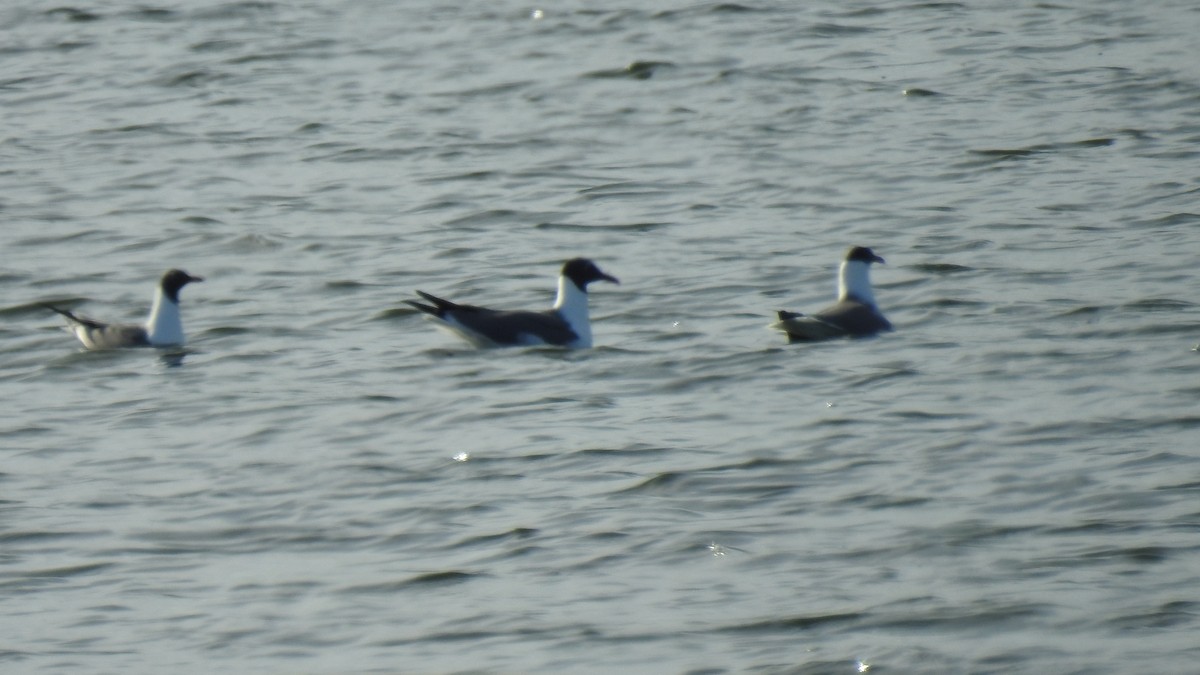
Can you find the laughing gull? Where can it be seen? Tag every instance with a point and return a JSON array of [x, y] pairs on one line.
[[854, 314], [565, 325], [163, 328]]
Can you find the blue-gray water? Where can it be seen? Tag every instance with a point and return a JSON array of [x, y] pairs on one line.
[[1008, 483]]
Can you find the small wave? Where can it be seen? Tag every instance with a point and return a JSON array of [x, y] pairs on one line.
[[638, 70], [430, 580]]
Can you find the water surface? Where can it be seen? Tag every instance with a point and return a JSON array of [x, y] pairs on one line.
[[322, 482]]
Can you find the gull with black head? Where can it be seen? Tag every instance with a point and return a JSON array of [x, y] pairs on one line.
[[566, 324], [855, 313], [163, 328]]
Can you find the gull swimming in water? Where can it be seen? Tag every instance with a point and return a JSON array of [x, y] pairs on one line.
[[163, 328], [566, 324], [854, 314]]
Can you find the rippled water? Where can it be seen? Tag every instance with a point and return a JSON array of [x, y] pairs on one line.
[[324, 483]]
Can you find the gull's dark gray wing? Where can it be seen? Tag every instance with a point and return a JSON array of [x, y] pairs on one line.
[[846, 318], [516, 328], [117, 336], [854, 317], [99, 335], [482, 325]]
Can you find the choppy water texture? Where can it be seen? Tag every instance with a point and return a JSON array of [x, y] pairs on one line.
[[323, 483]]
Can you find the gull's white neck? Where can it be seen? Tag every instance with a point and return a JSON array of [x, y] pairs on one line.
[[572, 305], [165, 326], [854, 281]]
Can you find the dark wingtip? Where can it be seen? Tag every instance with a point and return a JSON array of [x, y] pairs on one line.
[[423, 307], [64, 312], [437, 307], [784, 315]]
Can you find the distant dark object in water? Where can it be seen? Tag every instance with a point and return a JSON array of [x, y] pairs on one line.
[[72, 14], [1042, 148], [638, 70]]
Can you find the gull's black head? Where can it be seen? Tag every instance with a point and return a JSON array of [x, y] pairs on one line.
[[582, 272], [863, 254], [173, 280]]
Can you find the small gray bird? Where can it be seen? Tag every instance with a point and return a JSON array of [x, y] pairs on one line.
[[854, 314], [163, 328]]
